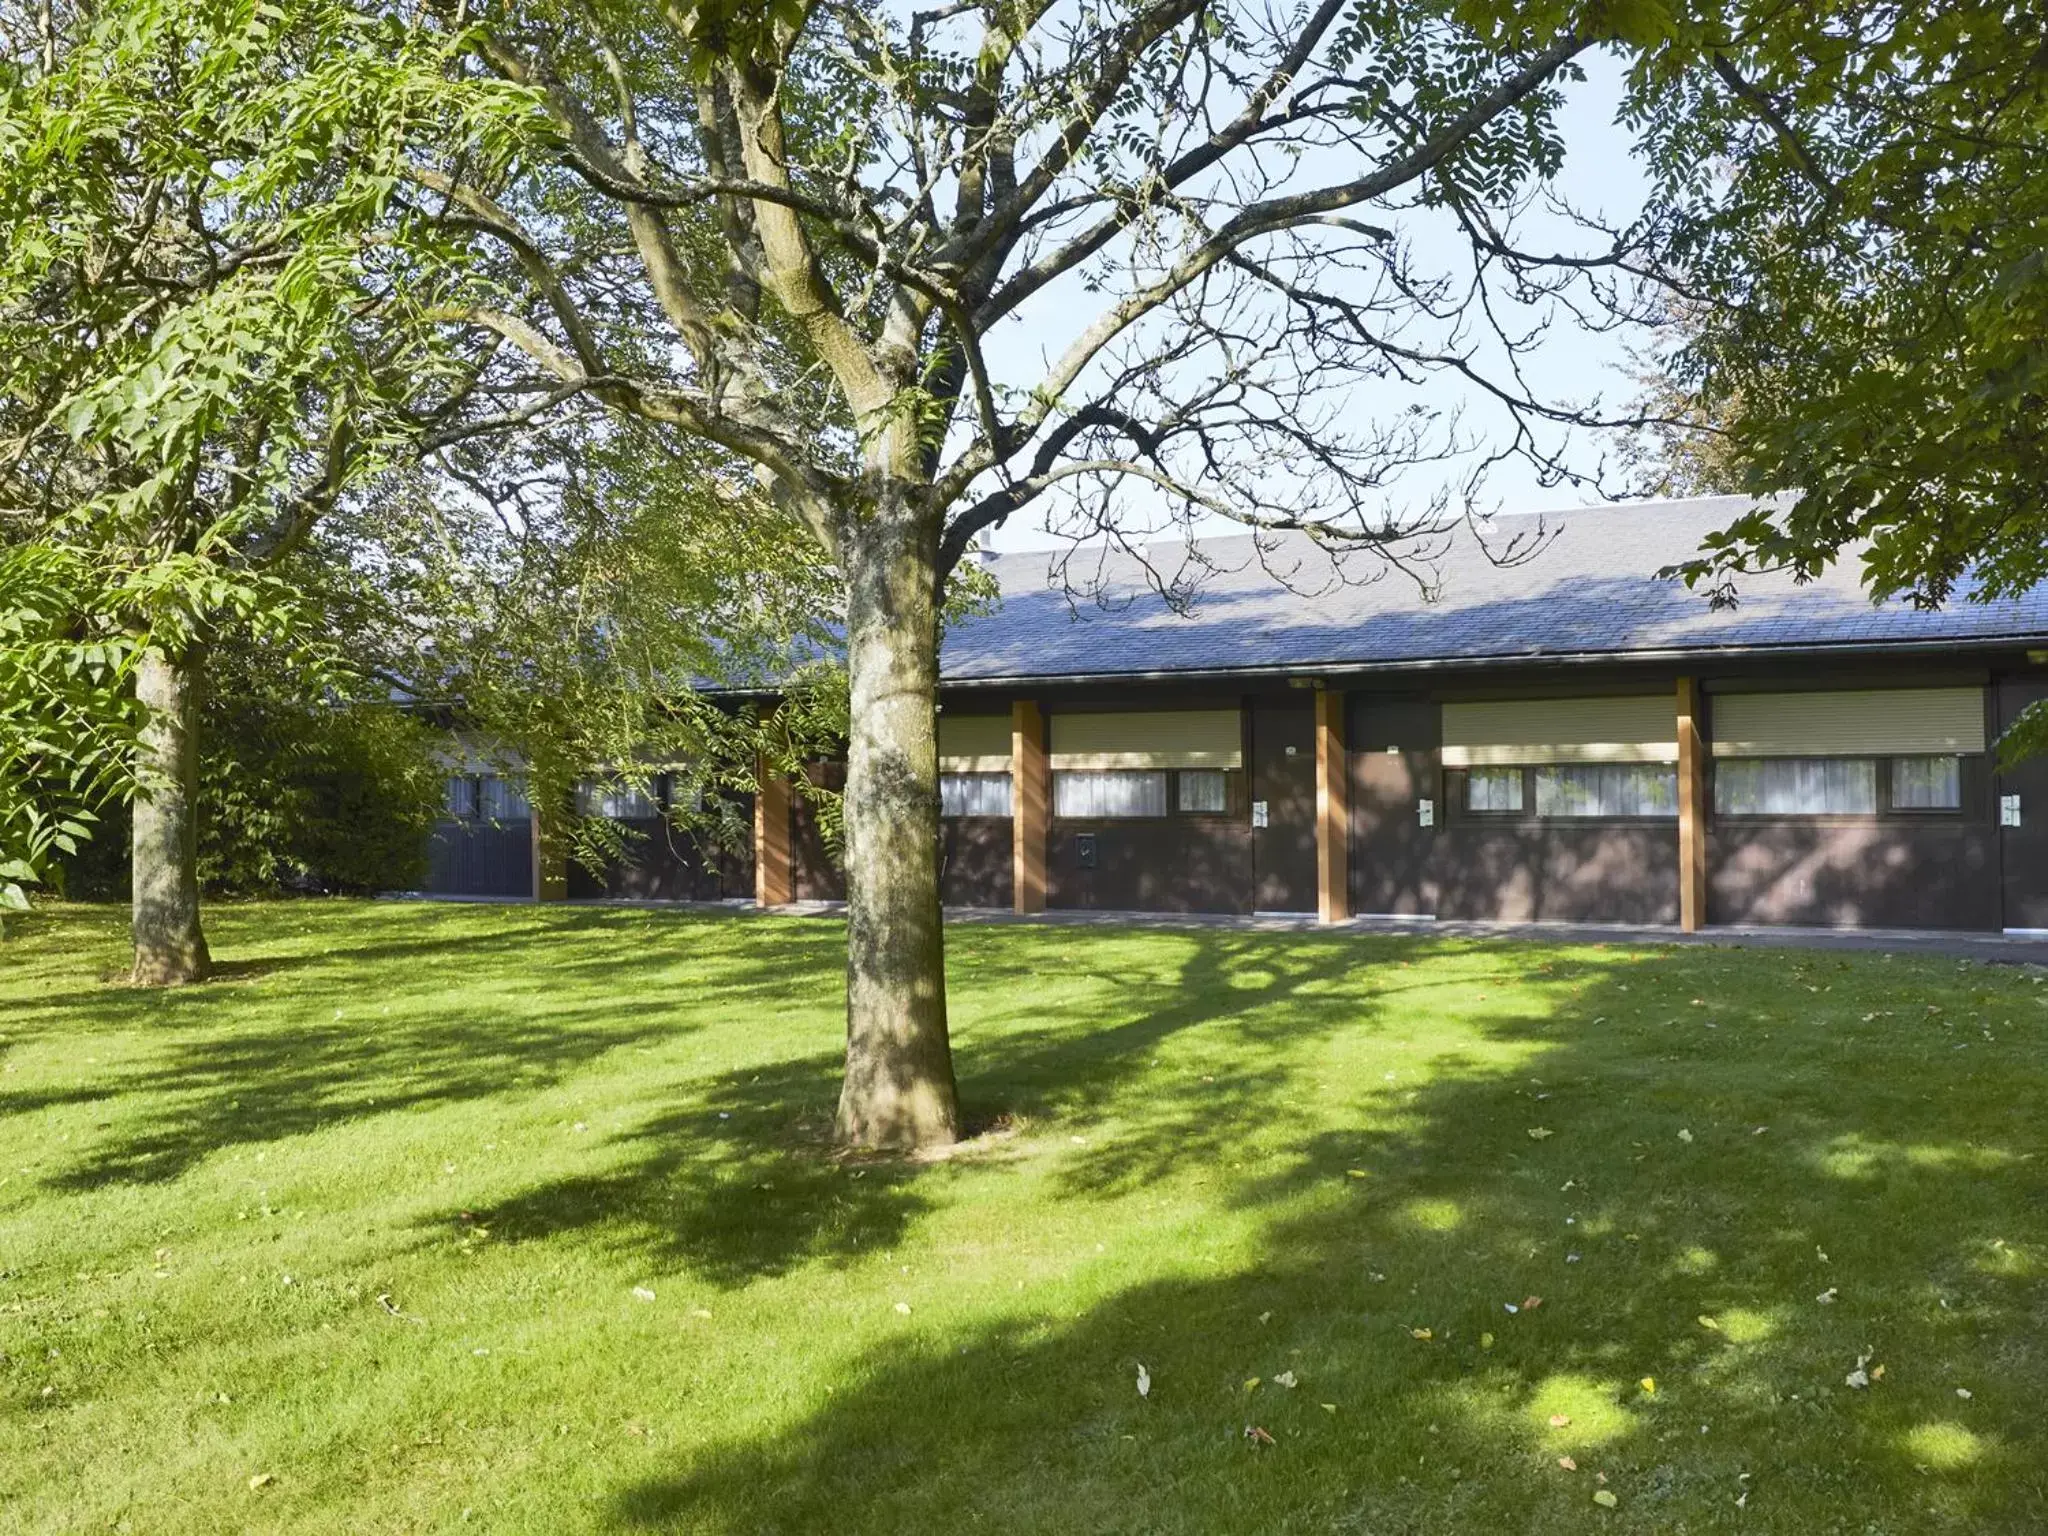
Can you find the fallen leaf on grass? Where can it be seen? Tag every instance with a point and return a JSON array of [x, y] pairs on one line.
[[1567, 1463], [1827, 1297], [1540, 1132], [1559, 1420], [903, 1307], [642, 1293], [1685, 1136], [1649, 1385], [1329, 1407], [1356, 1173], [261, 1480], [1707, 1322], [1486, 1341], [1251, 1384], [1423, 1334], [1286, 1379], [1144, 1382], [1531, 1303], [1604, 1498], [1258, 1436]]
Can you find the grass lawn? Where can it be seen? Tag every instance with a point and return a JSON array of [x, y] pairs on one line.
[[424, 1215]]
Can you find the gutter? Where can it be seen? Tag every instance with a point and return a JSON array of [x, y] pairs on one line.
[[1431, 665]]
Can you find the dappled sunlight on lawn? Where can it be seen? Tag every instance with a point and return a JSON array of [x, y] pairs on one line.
[[532, 1214]]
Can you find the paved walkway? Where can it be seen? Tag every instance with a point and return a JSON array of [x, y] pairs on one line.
[[1997, 948]]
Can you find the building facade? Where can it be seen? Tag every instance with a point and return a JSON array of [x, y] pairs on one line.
[[1563, 736]]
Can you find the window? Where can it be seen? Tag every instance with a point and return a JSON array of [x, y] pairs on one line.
[[1927, 784], [1493, 791], [615, 800], [1796, 786], [504, 799], [1116, 792], [458, 796], [1607, 789], [974, 794], [1203, 791]]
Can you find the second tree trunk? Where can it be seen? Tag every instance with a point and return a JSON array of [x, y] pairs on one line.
[[169, 944]]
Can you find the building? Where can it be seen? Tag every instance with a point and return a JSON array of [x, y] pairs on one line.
[[1560, 738]]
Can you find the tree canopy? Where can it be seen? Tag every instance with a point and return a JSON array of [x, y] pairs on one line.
[[1859, 198]]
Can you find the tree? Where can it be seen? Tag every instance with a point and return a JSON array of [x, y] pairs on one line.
[[67, 724], [1858, 196], [207, 317], [811, 236], [569, 593]]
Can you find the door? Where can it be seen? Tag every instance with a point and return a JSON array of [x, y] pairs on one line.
[[1283, 779], [2023, 850], [1394, 746]]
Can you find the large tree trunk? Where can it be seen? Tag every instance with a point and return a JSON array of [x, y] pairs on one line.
[[899, 1066], [169, 946]]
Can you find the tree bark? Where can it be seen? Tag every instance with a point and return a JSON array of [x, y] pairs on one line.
[[899, 1090], [169, 945]]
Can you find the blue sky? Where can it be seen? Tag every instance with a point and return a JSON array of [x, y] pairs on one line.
[[1599, 175]]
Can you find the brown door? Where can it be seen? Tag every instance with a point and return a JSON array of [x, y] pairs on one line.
[[1394, 743], [2023, 850], [1283, 779]]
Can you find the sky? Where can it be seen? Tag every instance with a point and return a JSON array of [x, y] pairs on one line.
[[1599, 174]]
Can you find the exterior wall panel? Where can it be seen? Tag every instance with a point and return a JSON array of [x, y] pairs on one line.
[[1283, 775], [478, 859], [814, 873], [1557, 874], [1172, 864], [976, 869], [664, 864], [1860, 874]]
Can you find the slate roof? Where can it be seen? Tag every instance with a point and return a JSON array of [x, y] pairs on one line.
[[1591, 591]]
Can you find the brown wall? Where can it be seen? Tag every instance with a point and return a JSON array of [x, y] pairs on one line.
[[666, 865], [1611, 872], [814, 873], [1284, 851], [976, 870], [1168, 864], [1854, 874]]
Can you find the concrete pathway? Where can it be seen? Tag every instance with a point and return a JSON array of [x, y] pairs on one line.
[[1995, 948]]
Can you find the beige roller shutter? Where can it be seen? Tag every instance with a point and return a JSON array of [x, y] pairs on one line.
[[974, 743], [1163, 738], [1864, 722], [1504, 732]]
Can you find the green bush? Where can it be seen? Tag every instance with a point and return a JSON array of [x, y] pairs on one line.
[[297, 797], [294, 797]]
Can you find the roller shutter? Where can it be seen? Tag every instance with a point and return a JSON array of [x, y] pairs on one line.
[[1507, 732], [974, 743], [1166, 738], [1868, 722]]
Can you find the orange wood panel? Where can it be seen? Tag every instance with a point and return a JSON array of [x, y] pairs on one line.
[[774, 884], [1030, 804], [1333, 810], [1692, 809]]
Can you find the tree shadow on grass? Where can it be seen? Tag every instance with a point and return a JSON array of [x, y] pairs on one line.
[[1678, 1347], [438, 1029], [737, 1181]]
